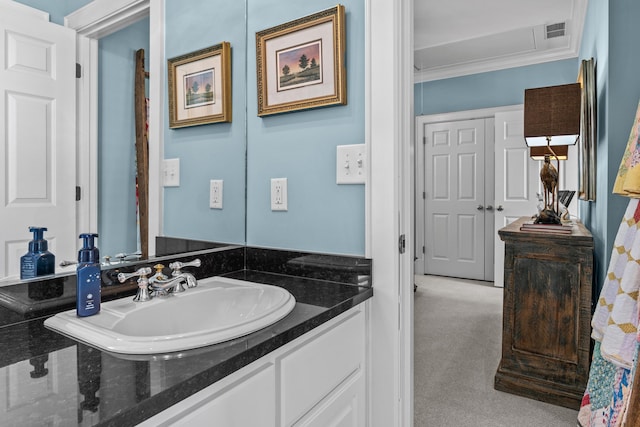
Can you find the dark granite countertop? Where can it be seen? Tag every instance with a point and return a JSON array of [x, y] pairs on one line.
[[54, 380]]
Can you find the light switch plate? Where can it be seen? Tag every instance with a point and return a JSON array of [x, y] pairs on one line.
[[171, 173], [351, 164], [215, 194]]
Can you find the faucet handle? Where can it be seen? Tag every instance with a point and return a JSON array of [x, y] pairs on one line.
[[142, 272], [177, 266], [143, 283], [159, 275]]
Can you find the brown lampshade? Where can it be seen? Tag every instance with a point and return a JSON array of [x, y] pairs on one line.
[[552, 115], [538, 153]]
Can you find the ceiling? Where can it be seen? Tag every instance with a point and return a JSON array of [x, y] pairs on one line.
[[460, 37]]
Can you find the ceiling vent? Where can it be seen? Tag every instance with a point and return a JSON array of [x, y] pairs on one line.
[[555, 30]]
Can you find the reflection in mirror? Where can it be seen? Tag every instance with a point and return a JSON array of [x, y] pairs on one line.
[[117, 196], [206, 152], [212, 151]]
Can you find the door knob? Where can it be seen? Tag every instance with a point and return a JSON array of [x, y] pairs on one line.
[[489, 208], [480, 207], [500, 208]]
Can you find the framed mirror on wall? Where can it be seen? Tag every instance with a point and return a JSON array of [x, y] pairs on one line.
[[588, 136]]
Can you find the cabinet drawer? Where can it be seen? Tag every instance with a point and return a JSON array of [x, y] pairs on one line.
[[245, 401], [310, 372]]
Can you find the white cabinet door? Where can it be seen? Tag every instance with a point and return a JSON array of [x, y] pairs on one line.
[[37, 137], [312, 371], [344, 408]]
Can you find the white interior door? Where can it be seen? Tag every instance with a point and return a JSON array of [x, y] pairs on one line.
[[517, 180], [455, 199], [37, 137]]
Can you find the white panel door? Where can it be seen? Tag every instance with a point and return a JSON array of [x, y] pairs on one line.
[[455, 199], [37, 137], [517, 180]]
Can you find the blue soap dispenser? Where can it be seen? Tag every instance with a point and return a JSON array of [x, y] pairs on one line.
[[88, 277], [38, 261]]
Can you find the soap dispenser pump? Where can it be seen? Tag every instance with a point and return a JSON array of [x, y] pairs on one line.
[[88, 277], [38, 261]]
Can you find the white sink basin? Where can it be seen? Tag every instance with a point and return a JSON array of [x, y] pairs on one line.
[[218, 309]]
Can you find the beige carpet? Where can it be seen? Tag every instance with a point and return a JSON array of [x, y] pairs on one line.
[[458, 332]]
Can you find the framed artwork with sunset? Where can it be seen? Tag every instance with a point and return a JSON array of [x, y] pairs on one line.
[[300, 64], [200, 87]]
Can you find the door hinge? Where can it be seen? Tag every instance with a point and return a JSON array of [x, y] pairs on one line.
[[78, 193], [78, 71], [402, 244], [423, 249], [424, 140], [424, 195]]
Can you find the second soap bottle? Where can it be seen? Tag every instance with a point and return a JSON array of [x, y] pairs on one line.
[[88, 277]]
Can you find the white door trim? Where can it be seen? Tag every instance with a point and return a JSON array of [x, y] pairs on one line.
[[420, 123], [389, 122], [93, 21], [101, 18]]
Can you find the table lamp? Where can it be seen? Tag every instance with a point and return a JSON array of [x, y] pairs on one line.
[[551, 124]]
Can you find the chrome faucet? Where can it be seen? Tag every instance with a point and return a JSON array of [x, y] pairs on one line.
[[163, 288], [161, 285], [143, 283]]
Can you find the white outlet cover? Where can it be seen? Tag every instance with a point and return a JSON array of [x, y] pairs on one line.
[[278, 194], [351, 164], [215, 193], [171, 173]]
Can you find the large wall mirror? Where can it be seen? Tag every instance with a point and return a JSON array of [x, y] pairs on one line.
[[323, 216], [205, 152]]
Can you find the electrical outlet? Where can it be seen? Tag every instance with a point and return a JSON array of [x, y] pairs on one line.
[[278, 194], [215, 194], [171, 175]]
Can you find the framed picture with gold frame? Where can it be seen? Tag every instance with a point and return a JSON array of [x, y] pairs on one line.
[[200, 87], [300, 64]]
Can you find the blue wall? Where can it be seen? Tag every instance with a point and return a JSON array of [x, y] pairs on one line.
[[595, 44], [214, 151], [491, 89], [301, 146], [117, 221], [610, 31]]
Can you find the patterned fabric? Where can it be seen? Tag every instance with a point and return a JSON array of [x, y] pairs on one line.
[[628, 180], [615, 321], [616, 318], [607, 394], [615, 331]]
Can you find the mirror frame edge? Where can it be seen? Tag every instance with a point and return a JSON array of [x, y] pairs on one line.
[[91, 22]]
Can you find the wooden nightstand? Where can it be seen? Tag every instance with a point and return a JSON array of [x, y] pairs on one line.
[[546, 314]]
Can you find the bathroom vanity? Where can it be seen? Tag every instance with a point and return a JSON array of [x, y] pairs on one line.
[[306, 369], [315, 380]]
